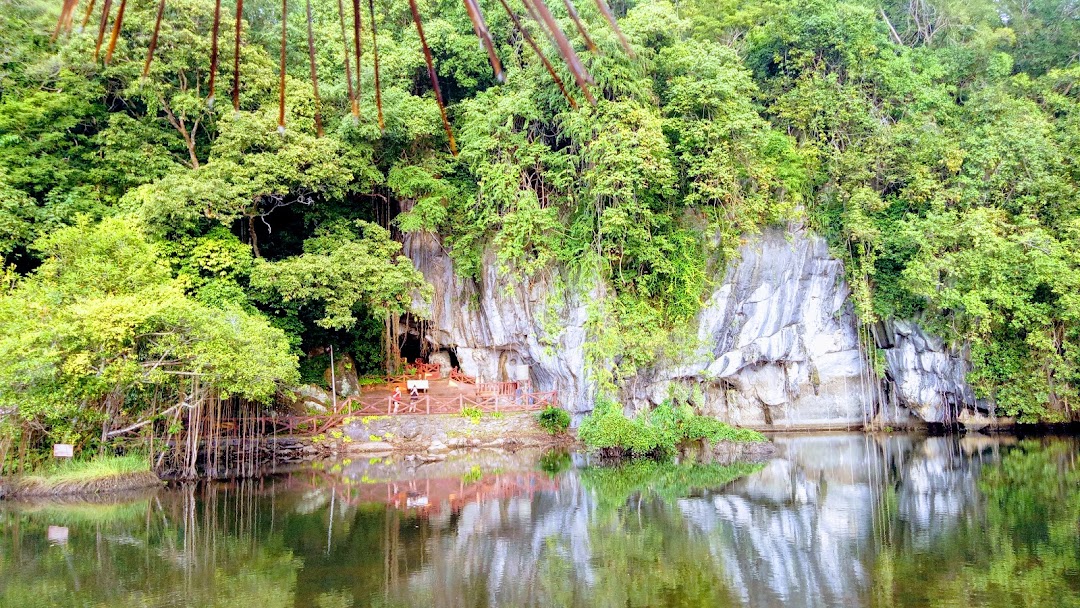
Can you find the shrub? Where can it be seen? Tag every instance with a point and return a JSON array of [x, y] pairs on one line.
[[472, 413], [705, 427], [656, 433], [607, 429], [313, 371], [554, 419]]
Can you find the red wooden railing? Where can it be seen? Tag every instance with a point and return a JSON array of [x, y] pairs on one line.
[[427, 368], [314, 424], [497, 388], [457, 376]]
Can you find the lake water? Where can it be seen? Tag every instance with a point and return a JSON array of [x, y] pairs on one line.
[[831, 520]]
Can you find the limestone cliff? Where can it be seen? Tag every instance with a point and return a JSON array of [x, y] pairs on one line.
[[778, 342], [924, 374]]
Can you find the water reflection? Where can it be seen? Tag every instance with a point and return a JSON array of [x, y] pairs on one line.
[[832, 520]]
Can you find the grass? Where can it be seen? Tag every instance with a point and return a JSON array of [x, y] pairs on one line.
[[97, 475]]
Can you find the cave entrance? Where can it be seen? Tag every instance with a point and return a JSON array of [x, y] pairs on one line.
[[411, 344]]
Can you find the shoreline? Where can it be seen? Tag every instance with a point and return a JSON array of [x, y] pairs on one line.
[[433, 438], [31, 486]]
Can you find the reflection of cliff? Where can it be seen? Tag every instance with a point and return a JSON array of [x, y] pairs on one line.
[[492, 554], [800, 532], [939, 491], [807, 530], [838, 520]]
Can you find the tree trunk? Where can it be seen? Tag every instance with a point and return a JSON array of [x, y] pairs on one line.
[[254, 239]]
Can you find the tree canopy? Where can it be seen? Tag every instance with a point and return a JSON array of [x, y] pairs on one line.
[[934, 143]]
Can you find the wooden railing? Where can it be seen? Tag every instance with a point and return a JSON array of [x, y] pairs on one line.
[[497, 388], [314, 424], [427, 368], [427, 404], [419, 371], [458, 376]]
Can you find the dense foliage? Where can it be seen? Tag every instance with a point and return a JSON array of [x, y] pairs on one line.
[[102, 324], [554, 419], [934, 142], [657, 432]]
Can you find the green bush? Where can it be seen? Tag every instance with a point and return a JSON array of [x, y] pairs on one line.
[[472, 413], [705, 427], [371, 380], [554, 419], [608, 429], [656, 433]]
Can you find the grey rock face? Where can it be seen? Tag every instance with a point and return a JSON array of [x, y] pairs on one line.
[[347, 383], [924, 374], [777, 343], [442, 358], [496, 325]]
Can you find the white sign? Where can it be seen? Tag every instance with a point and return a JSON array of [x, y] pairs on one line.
[[63, 450], [420, 385]]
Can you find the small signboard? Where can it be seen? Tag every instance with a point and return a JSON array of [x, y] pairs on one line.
[[420, 385], [63, 450]]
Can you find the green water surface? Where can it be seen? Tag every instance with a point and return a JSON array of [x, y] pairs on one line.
[[831, 520]]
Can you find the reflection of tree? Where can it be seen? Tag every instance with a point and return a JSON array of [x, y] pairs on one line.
[[642, 550], [197, 544], [614, 486], [642, 555], [1024, 549]]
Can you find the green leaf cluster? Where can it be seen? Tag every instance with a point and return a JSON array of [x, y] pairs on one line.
[[102, 323], [554, 419], [657, 432]]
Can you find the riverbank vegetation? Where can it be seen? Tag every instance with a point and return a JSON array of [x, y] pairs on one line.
[[554, 419], [162, 250], [658, 432], [98, 475]]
